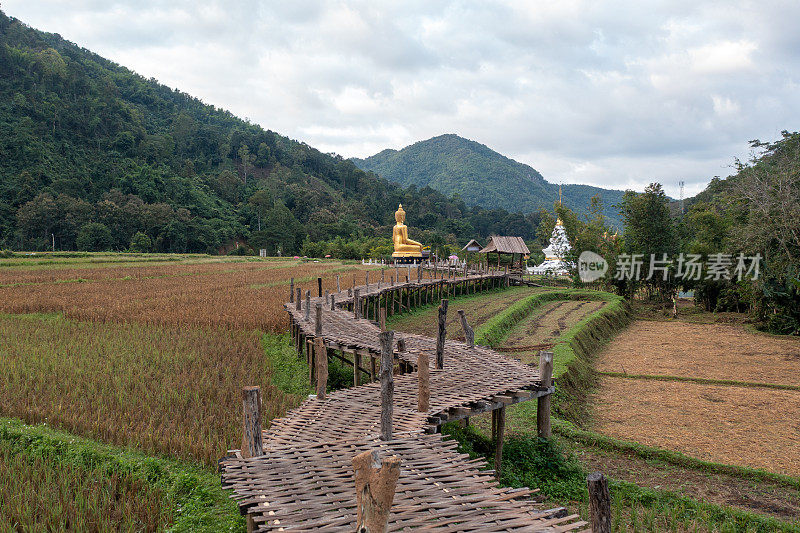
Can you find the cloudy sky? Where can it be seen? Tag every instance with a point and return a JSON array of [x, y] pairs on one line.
[[613, 94]]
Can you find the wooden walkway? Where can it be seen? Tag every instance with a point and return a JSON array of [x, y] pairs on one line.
[[304, 482]]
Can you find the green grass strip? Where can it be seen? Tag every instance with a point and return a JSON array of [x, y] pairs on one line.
[[598, 440], [198, 501], [704, 381]]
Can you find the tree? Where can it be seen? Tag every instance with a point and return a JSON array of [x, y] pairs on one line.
[[650, 233], [141, 243], [94, 237], [247, 159]]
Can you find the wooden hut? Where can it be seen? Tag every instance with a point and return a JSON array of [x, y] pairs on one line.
[[507, 245]]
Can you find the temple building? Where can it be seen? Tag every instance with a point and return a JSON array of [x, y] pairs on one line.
[[554, 262]]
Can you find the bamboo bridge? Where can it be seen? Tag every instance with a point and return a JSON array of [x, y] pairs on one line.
[[304, 479]]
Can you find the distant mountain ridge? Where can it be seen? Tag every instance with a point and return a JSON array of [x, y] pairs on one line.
[[481, 176]]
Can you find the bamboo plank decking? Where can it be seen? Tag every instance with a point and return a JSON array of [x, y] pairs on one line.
[[304, 481]]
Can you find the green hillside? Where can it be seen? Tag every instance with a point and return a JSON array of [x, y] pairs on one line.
[[94, 155], [480, 176]]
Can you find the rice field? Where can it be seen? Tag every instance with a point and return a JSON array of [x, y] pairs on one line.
[[41, 496], [245, 295], [164, 390]]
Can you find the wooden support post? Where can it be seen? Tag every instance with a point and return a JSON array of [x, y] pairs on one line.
[[423, 383], [252, 445], [338, 287], [469, 334], [297, 303], [498, 448], [442, 333], [543, 403], [382, 319], [321, 362], [333, 302], [356, 368], [373, 371], [327, 296], [318, 320], [356, 304], [599, 503], [319, 287], [387, 383], [291, 291], [308, 305], [375, 487]]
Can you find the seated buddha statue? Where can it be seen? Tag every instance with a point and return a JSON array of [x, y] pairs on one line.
[[403, 246]]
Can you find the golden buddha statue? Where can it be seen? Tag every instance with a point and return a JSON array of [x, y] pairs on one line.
[[403, 246]]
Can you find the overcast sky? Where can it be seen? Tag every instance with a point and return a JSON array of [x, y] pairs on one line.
[[612, 94]]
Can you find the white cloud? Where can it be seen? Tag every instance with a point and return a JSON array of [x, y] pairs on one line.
[[612, 94]]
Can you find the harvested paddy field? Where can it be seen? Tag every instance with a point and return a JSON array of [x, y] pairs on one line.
[[232, 293], [707, 351], [755, 427], [541, 329], [479, 308]]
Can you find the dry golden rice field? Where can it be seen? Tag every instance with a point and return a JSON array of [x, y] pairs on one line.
[[726, 423], [232, 293]]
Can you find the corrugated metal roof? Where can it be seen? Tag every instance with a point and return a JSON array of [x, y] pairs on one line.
[[473, 245], [506, 245]]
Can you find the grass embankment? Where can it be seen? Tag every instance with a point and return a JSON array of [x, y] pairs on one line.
[[546, 465], [573, 350], [52, 481]]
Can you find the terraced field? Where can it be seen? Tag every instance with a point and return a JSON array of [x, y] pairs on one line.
[[479, 308], [720, 392], [542, 328]]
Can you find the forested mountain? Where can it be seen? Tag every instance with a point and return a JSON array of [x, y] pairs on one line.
[[480, 176], [93, 155]]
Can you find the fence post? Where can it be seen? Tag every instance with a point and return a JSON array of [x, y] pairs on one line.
[[498, 448], [382, 319], [291, 291], [356, 303], [319, 287], [375, 487], [333, 302], [599, 503], [299, 292], [442, 333], [252, 445], [543, 402], [387, 383], [321, 363], [318, 320], [469, 334], [423, 383], [308, 305]]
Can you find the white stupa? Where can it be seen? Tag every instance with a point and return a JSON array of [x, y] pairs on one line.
[[554, 263]]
